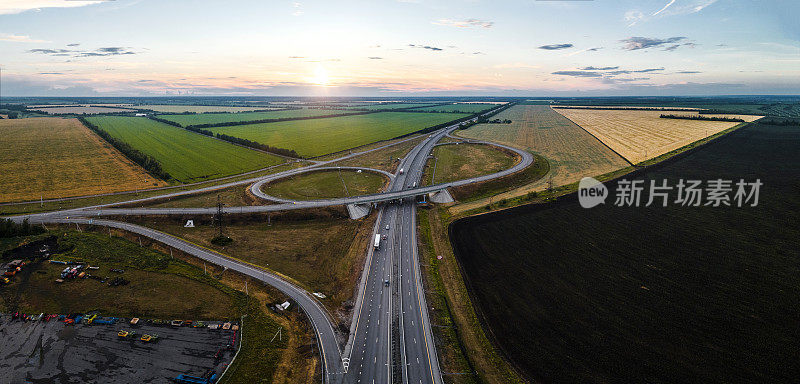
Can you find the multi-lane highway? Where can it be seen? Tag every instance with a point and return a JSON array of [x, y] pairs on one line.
[[391, 338]]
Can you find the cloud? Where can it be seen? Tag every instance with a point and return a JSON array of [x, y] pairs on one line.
[[297, 57], [684, 7], [638, 42], [609, 74], [553, 47], [375, 58], [49, 51], [8, 7], [649, 70], [425, 47], [298, 9], [105, 51], [672, 8], [469, 23], [19, 38], [633, 17], [688, 72], [595, 49], [51, 73], [598, 68], [578, 73], [73, 45], [665, 7]]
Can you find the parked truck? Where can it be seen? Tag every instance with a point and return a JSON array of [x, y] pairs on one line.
[[377, 243]]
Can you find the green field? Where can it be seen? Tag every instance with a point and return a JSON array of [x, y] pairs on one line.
[[462, 108], [325, 185], [186, 156], [320, 136], [216, 118]]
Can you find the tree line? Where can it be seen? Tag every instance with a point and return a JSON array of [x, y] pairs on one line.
[[704, 118], [247, 143], [212, 112], [150, 164], [611, 108], [9, 228]]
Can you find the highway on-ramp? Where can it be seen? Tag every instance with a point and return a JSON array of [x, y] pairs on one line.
[[391, 340]]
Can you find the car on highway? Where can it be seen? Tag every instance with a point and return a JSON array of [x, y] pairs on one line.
[[386, 282], [387, 227]]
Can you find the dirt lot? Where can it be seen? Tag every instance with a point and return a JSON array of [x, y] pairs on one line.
[[52, 352], [53, 157], [641, 135]]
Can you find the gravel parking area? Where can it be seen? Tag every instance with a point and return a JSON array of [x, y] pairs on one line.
[[52, 352]]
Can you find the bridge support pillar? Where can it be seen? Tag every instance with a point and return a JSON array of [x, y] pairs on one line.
[[441, 197], [358, 211]]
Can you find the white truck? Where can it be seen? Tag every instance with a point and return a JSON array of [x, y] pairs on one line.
[[401, 171], [377, 243]]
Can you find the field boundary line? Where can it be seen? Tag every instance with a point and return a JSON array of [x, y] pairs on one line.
[[598, 139]]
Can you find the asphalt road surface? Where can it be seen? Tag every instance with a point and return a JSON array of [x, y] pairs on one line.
[[392, 339]]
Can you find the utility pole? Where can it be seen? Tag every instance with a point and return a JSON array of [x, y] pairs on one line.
[[219, 215]]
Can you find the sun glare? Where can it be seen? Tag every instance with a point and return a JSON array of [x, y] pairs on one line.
[[320, 76]]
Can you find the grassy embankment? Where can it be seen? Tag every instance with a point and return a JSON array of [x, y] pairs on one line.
[[322, 250]]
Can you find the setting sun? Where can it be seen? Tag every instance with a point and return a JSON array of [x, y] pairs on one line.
[[320, 76]]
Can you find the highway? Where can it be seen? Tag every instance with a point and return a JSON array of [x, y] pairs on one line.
[[391, 338]]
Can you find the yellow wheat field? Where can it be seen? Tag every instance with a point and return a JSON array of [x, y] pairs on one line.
[[641, 135], [50, 157]]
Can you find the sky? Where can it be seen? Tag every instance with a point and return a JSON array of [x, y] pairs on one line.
[[399, 48]]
